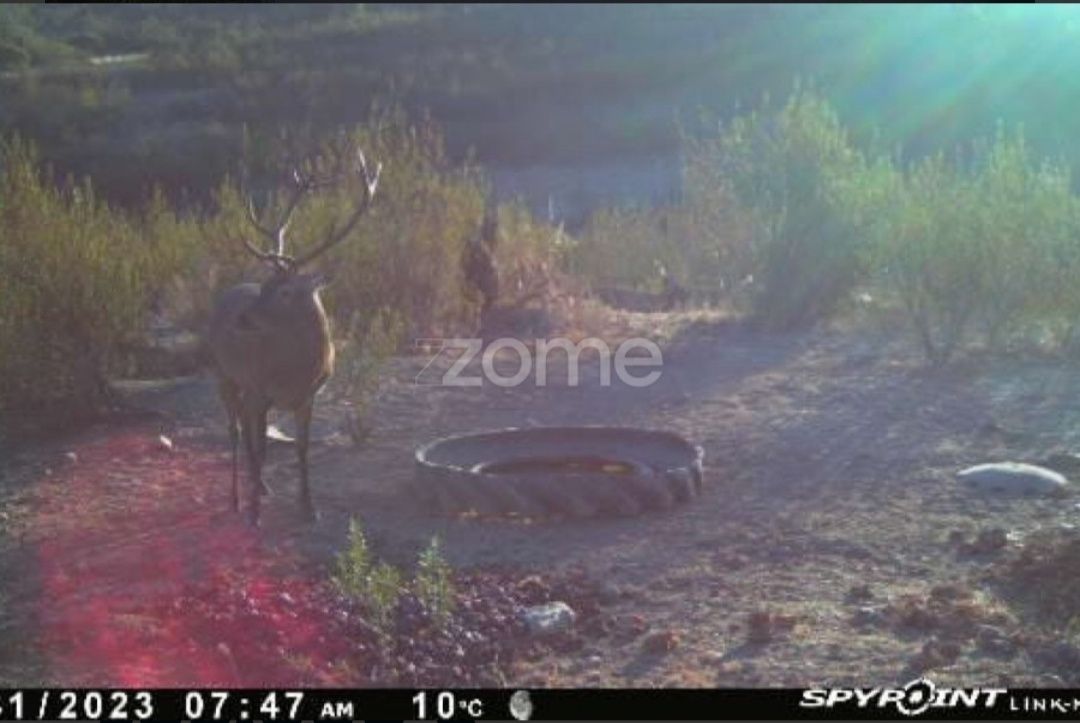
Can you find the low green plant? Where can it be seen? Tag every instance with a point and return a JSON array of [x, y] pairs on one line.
[[354, 564], [433, 582], [364, 356], [383, 591], [375, 585], [378, 586]]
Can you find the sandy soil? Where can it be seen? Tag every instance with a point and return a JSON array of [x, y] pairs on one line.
[[830, 513]]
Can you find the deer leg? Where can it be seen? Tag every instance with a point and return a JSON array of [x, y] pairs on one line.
[[260, 436], [254, 410], [303, 436], [230, 397]]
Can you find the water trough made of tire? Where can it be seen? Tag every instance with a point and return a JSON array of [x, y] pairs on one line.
[[558, 472]]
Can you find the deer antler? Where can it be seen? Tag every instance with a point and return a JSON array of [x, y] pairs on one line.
[[336, 235], [304, 183]]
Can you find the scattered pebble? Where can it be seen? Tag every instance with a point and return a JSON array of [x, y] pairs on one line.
[[661, 642], [553, 617], [994, 641], [860, 593], [934, 654], [164, 444], [868, 616], [764, 626], [988, 541], [71, 457]]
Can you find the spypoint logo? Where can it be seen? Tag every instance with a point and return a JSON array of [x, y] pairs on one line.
[[913, 699]]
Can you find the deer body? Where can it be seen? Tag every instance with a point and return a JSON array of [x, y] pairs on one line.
[[272, 348]]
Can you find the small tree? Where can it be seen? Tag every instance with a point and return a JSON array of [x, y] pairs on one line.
[[433, 584], [798, 180]]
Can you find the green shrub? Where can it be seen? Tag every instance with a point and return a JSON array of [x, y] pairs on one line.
[[795, 173], [354, 564], [74, 287], [375, 585], [618, 247], [365, 353], [433, 584], [1025, 219], [985, 244], [931, 258], [78, 277]]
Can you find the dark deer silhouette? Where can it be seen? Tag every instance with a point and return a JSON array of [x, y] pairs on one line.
[[271, 343]]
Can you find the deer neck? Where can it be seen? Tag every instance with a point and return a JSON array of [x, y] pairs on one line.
[[318, 323]]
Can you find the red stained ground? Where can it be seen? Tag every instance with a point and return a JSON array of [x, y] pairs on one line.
[[148, 579]]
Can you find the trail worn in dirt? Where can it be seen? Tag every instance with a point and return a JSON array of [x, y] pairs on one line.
[[825, 548]]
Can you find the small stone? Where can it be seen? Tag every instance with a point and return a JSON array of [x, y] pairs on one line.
[[534, 589], [868, 616], [993, 641], [609, 594], [764, 626], [71, 457], [957, 538], [553, 617], [934, 654], [164, 444], [987, 542], [636, 624], [660, 642], [860, 593], [734, 667]]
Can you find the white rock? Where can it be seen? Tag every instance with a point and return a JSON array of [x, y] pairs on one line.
[[71, 457], [1014, 478], [549, 618], [165, 444]]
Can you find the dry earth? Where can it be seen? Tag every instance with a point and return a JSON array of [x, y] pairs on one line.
[[824, 549]]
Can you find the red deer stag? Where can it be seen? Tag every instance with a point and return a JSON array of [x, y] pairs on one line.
[[271, 343]]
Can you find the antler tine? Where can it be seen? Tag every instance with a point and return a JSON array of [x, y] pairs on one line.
[[277, 235], [371, 183], [272, 235]]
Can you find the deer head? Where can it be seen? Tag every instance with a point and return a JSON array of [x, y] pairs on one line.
[[291, 295]]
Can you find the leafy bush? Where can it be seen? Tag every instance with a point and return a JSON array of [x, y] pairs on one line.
[[362, 359], [991, 243], [618, 247], [379, 586], [354, 565], [1025, 210], [78, 277], [931, 258], [75, 277], [797, 177], [432, 583]]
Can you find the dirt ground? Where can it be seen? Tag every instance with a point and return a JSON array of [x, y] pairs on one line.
[[825, 549]]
